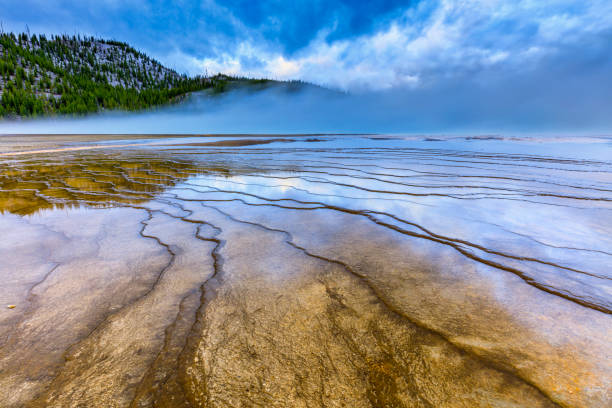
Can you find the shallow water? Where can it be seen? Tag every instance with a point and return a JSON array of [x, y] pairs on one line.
[[315, 270]]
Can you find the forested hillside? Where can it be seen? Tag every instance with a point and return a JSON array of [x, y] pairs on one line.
[[77, 75]]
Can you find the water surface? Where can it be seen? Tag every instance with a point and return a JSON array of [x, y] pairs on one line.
[[313, 270]]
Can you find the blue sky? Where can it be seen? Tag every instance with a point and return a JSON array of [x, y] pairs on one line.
[[376, 44]]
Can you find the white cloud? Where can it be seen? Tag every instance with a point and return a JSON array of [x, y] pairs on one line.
[[433, 40]]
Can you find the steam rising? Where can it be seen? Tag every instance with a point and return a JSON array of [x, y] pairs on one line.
[[558, 99]]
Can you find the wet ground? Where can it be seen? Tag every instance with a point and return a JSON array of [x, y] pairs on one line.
[[301, 271]]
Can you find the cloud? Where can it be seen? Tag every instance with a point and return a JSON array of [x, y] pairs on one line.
[[431, 42], [379, 44]]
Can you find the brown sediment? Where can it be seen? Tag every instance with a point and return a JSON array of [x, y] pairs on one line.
[[19, 144], [239, 142], [394, 311], [221, 143], [69, 303], [454, 243], [510, 333], [246, 142], [66, 149], [139, 341], [256, 277], [379, 387]]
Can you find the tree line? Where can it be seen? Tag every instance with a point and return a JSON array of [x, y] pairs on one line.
[[79, 75]]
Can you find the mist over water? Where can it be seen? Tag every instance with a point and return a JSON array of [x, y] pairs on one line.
[[551, 100]]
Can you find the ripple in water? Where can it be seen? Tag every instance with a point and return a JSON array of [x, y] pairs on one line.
[[305, 271]]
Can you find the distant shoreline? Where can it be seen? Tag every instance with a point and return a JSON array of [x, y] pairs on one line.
[[165, 135]]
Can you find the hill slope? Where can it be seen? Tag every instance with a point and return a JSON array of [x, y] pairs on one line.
[[77, 75]]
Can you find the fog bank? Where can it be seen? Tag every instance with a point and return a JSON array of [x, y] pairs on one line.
[[570, 99]]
